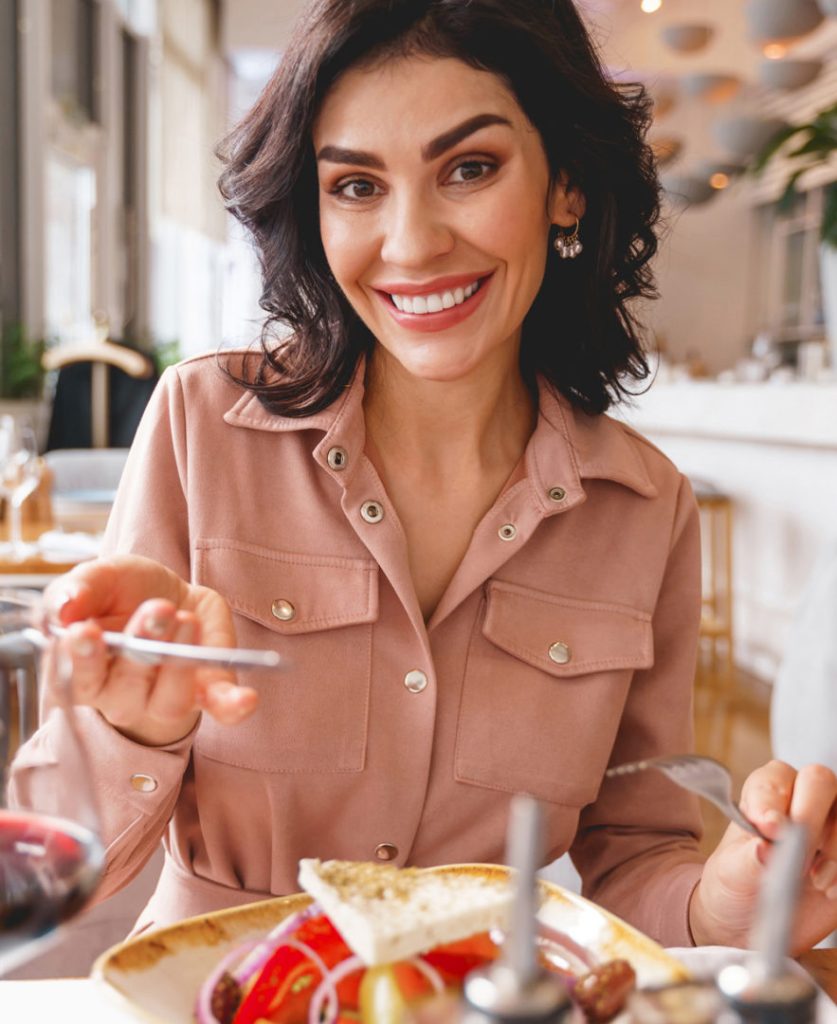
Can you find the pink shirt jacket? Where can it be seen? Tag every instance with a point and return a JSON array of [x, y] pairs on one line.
[[565, 642]]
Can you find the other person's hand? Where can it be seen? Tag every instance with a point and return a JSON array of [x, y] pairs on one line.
[[723, 903], [152, 704]]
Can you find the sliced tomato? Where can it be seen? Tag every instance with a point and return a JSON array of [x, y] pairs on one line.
[[282, 991], [455, 959]]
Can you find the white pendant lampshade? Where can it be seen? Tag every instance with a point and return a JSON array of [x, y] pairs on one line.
[[714, 88], [828, 8], [782, 21], [788, 74], [666, 149], [687, 38], [741, 137], [686, 189]]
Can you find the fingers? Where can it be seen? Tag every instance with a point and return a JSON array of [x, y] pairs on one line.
[[766, 796]]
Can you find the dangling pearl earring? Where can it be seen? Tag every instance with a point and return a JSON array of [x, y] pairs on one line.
[[568, 244]]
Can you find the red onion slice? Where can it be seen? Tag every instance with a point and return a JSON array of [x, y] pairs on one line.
[[328, 985], [203, 1006], [271, 942], [430, 972]]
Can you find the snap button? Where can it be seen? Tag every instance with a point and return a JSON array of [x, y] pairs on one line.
[[415, 681], [372, 511], [559, 652], [143, 783], [507, 532], [337, 458], [557, 494], [283, 610], [386, 851]]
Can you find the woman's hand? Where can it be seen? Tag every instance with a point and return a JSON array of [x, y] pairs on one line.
[[723, 903], [152, 704]]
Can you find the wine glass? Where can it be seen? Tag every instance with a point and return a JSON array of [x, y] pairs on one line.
[[51, 857], [21, 469]]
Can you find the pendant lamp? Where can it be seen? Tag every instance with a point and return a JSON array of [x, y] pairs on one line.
[[782, 21], [741, 137], [687, 38], [788, 74], [686, 189], [715, 88]]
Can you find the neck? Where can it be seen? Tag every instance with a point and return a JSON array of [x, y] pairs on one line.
[[432, 428]]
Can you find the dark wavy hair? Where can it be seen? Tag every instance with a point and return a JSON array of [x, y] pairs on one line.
[[580, 332]]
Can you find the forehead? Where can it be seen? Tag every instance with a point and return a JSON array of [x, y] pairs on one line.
[[414, 98]]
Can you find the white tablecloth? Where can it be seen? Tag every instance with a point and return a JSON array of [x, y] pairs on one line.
[[67, 1000]]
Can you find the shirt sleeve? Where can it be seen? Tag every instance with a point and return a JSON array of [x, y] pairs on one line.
[[637, 845], [136, 787]]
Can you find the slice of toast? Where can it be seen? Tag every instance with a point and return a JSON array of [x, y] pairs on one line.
[[386, 913]]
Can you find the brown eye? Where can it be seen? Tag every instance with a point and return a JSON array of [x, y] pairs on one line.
[[471, 170], [356, 189]]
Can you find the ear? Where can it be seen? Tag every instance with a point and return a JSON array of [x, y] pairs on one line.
[[566, 203]]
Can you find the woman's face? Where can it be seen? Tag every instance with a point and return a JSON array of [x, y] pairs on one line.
[[435, 209]]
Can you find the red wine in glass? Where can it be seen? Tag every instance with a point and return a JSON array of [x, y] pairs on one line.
[[49, 867]]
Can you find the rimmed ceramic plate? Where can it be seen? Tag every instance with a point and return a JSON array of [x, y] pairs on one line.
[[158, 974]]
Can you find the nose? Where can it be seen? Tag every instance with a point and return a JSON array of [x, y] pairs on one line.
[[414, 232]]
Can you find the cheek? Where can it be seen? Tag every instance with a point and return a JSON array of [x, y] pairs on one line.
[[344, 247]]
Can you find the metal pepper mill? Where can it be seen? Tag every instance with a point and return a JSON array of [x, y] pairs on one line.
[[765, 990], [515, 989]]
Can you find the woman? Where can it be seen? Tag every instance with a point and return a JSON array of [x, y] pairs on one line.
[[480, 584]]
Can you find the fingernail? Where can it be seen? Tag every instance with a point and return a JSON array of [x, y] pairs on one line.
[[184, 633], [823, 875], [83, 646], [61, 599], [156, 625], [831, 893], [773, 818]]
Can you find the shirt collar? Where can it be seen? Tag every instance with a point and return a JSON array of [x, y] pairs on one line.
[[567, 446]]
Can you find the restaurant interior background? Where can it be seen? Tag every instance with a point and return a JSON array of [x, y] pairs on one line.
[[112, 228]]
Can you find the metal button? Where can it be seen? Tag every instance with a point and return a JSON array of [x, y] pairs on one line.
[[283, 610], [557, 494], [560, 653], [372, 511], [338, 458], [415, 681], [507, 532], [143, 783], [386, 851]]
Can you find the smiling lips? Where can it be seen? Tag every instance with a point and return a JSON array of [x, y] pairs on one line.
[[436, 306]]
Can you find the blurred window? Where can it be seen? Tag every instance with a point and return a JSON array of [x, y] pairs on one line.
[[74, 25], [71, 197], [793, 299]]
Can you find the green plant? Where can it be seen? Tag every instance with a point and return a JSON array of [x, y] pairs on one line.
[[816, 144], [21, 372], [167, 353]]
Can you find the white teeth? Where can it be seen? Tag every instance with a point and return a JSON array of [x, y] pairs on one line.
[[435, 302]]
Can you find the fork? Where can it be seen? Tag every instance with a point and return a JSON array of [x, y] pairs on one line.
[[702, 775]]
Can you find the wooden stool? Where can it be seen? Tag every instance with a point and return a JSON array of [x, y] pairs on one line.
[[716, 634]]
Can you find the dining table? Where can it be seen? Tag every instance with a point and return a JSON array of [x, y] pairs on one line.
[[37, 568], [91, 1001]]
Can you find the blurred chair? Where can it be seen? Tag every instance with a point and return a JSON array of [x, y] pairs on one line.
[[716, 619], [84, 483]]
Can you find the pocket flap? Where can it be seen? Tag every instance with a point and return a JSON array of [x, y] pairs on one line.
[[289, 592], [583, 636]]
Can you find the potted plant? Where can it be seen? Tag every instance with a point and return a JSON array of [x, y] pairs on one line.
[[814, 144], [21, 375]]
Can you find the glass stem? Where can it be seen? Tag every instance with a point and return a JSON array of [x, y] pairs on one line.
[[16, 524]]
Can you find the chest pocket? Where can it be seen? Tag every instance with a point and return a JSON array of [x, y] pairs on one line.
[[545, 685], [318, 613]]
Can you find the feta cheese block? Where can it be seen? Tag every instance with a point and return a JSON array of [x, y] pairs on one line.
[[387, 913]]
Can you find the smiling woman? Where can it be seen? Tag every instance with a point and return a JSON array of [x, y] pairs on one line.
[[478, 583]]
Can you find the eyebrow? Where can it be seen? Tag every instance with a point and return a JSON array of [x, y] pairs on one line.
[[434, 149]]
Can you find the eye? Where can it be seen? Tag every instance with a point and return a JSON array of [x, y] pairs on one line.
[[356, 190], [472, 170]]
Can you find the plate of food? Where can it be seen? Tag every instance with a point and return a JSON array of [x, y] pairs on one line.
[[365, 940]]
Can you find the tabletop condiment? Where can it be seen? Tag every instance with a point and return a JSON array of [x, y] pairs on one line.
[[516, 988]]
